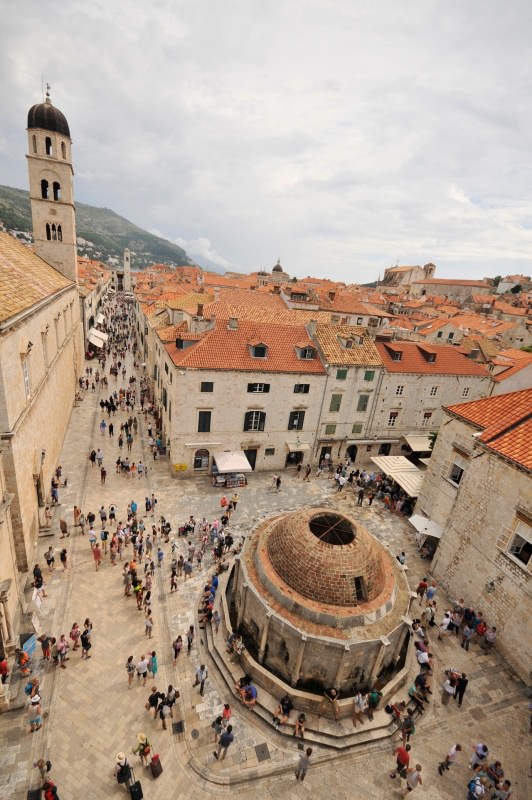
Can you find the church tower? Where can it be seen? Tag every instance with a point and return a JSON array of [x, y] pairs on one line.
[[51, 193], [127, 271]]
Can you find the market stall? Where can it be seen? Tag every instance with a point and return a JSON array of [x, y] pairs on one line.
[[229, 468]]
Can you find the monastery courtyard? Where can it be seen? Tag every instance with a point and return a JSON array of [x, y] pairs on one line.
[[90, 715]]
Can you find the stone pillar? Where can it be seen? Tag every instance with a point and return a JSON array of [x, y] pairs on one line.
[[242, 607], [299, 661], [8, 637], [385, 643], [339, 671], [264, 637]]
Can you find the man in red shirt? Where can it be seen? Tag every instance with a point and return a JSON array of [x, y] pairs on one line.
[[402, 754]]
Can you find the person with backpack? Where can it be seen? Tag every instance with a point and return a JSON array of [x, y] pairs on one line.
[[50, 791], [475, 789], [123, 771]]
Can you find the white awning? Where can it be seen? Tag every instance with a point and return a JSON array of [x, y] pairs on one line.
[[232, 461], [298, 447], [389, 464], [403, 472], [99, 319], [418, 444], [426, 526], [94, 339], [411, 482], [425, 461]]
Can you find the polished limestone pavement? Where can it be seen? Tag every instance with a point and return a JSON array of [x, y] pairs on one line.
[[91, 715]]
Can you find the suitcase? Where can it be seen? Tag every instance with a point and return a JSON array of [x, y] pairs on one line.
[[135, 790], [156, 766]]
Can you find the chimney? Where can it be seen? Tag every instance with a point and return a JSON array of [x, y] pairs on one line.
[[232, 323], [199, 312], [311, 327]]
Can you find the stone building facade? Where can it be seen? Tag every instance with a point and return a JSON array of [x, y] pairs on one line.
[[478, 487]]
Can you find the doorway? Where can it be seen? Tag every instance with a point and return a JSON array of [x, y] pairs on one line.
[[251, 456], [351, 453]]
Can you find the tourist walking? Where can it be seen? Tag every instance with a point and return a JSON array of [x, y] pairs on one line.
[[225, 740], [201, 676], [130, 671], [413, 779], [450, 758], [304, 763]]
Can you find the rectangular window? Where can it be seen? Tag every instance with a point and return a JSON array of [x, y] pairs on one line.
[[456, 472], [465, 391], [397, 356], [357, 428], [363, 400], [439, 335], [166, 367], [330, 430], [360, 320], [301, 388], [369, 374], [433, 391], [296, 420], [26, 377], [392, 419], [204, 421], [517, 542], [336, 402], [258, 388], [269, 451], [254, 421], [308, 352], [399, 390], [427, 416], [450, 335], [259, 351], [341, 374], [207, 386]]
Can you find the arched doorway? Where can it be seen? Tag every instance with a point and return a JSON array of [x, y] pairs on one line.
[[351, 453], [201, 459]]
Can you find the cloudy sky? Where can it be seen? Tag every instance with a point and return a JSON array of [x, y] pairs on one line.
[[340, 135]]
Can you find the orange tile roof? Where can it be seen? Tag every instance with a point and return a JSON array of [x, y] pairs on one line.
[[505, 421], [170, 332], [189, 301], [329, 339], [223, 348], [448, 360], [514, 361]]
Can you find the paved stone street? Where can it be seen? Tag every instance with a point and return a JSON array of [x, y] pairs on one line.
[[91, 715]]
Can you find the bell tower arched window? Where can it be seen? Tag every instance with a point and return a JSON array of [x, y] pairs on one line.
[[44, 189], [48, 146], [57, 190], [54, 233], [48, 231], [59, 233], [34, 143], [63, 149]]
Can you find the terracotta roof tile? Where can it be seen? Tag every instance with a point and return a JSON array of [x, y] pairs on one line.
[[505, 421], [329, 338], [448, 360], [25, 279], [224, 348]]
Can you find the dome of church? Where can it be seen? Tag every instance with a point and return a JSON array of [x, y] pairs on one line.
[[48, 117], [327, 557], [278, 267]]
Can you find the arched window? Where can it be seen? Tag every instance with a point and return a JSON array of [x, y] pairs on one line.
[[44, 189], [48, 146], [48, 232], [63, 149], [57, 190], [34, 143], [201, 459], [59, 233], [54, 233]]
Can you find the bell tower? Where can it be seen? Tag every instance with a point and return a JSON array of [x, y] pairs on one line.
[[51, 192]]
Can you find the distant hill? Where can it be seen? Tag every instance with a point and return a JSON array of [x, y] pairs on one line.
[[102, 234]]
